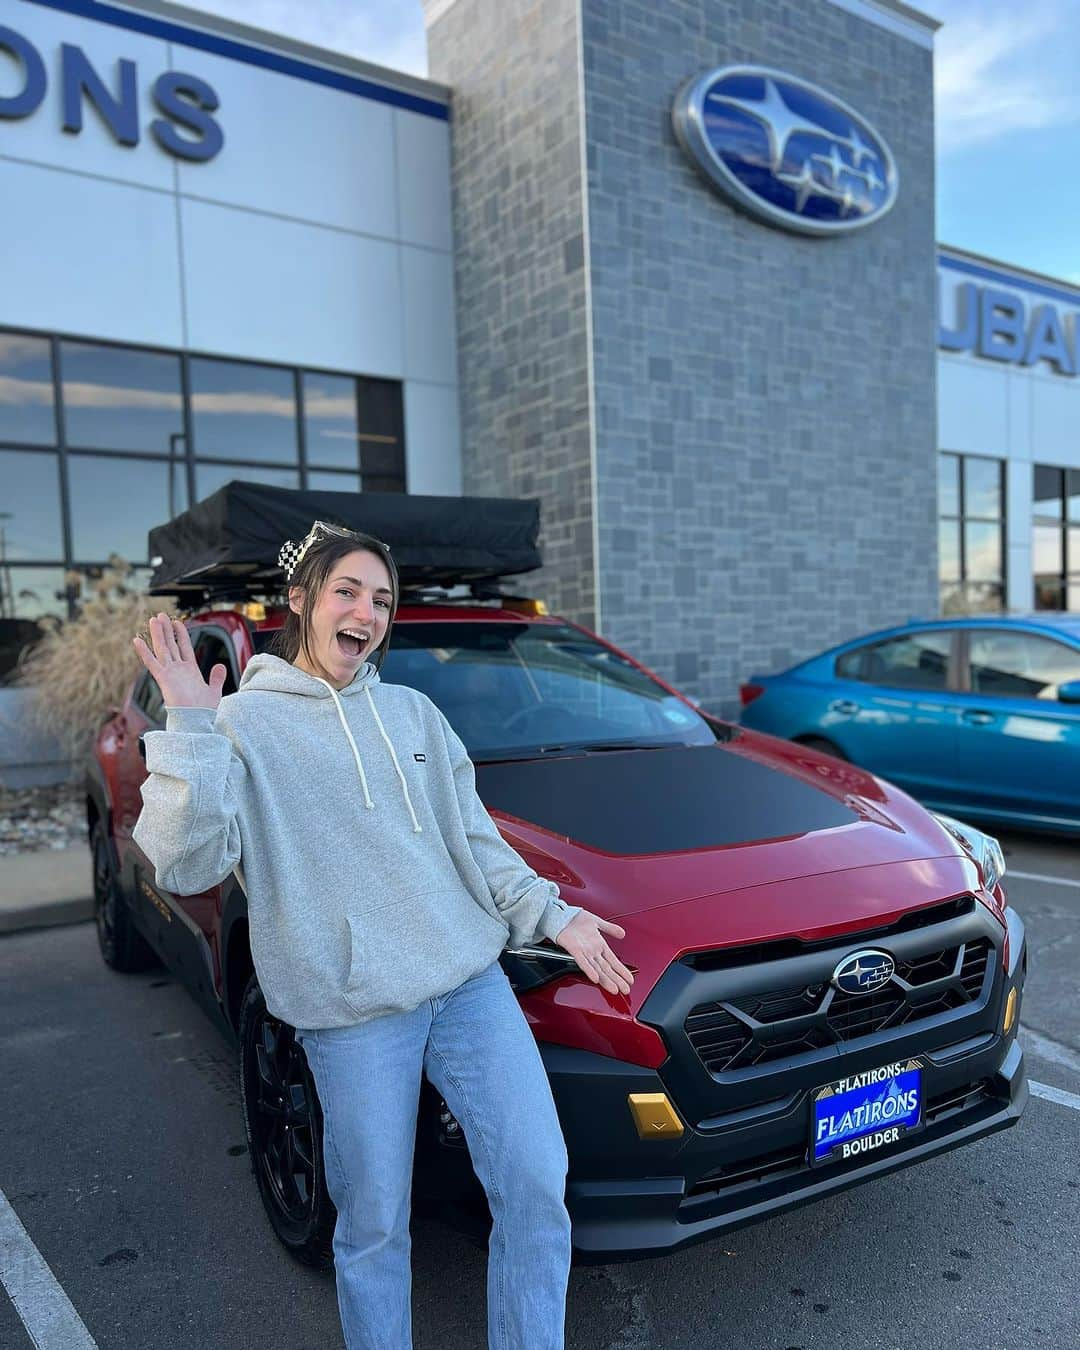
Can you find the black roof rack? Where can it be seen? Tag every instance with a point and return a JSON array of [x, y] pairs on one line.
[[226, 547]]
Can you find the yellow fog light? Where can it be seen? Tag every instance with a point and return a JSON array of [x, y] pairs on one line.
[[1010, 1011], [654, 1115]]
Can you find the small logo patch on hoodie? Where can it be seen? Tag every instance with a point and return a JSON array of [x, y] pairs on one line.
[[420, 759]]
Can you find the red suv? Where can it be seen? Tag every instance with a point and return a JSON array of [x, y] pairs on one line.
[[827, 976]]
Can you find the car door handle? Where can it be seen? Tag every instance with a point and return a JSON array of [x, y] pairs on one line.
[[845, 706], [977, 717]]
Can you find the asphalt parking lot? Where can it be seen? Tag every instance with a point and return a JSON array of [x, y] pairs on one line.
[[122, 1160]]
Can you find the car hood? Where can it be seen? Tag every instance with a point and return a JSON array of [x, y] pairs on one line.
[[625, 832]]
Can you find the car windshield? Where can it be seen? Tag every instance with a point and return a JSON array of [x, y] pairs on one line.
[[514, 689]]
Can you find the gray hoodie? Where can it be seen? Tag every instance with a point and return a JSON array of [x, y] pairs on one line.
[[375, 877]]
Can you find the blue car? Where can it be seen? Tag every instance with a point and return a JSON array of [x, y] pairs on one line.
[[975, 716]]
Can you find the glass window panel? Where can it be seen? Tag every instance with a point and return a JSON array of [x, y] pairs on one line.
[[982, 547], [949, 550], [121, 398], [1049, 490], [26, 390], [210, 477], [982, 487], [952, 598], [916, 661], [115, 502], [948, 485], [1021, 665], [382, 433], [1049, 593], [30, 519], [32, 592], [331, 426], [1072, 488], [243, 411], [333, 482], [983, 597], [1072, 598], [1047, 549]]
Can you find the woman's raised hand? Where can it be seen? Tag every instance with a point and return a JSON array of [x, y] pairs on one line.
[[172, 664]]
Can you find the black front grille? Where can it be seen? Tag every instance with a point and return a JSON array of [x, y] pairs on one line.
[[773, 1024]]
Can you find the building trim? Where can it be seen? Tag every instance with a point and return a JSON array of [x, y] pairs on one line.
[[590, 355], [976, 265], [894, 17], [270, 51]]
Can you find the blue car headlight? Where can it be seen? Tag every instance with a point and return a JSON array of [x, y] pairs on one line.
[[984, 848]]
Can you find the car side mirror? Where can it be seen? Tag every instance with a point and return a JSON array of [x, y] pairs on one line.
[[1069, 692]]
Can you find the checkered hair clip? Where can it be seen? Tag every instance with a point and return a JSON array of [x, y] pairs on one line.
[[291, 554]]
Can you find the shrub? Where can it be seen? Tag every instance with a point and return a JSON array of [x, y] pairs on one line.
[[82, 667]]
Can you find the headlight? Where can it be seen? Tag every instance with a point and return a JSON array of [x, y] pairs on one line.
[[529, 967], [984, 848]]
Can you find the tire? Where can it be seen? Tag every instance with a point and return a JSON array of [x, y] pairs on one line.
[[823, 746], [122, 946], [283, 1124]]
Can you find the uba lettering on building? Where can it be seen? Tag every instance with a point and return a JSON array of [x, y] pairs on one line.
[[186, 127], [997, 324]]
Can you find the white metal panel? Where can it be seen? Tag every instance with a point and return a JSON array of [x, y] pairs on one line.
[[423, 179], [277, 290], [295, 148], [1019, 433], [973, 409], [430, 321], [86, 256], [1055, 420], [41, 138], [432, 439], [1019, 495]]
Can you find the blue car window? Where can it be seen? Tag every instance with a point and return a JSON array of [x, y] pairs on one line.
[[914, 661], [1020, 665]]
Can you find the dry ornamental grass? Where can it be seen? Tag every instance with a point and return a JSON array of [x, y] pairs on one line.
[[82, 668]]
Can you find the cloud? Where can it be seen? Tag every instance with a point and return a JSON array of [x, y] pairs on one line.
[[385, 32], [1000, 68]]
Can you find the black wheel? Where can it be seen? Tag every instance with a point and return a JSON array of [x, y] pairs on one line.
[[123, 947], [825, 747], [283, 1121]]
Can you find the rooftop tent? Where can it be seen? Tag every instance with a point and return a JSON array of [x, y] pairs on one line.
[[228, 544]]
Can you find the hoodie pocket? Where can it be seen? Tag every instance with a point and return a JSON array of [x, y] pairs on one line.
[[415, 948]]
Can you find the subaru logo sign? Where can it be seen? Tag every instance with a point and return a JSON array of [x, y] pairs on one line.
[[785, 150], [863, 972]]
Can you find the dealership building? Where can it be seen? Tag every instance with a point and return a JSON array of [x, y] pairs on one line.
[[763, 408]]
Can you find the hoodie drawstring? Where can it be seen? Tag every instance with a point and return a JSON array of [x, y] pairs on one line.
[[356, 753], [417, 827]]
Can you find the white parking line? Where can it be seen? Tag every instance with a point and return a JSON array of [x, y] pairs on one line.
[[1039, 876], [46, 1311], [1053, 1094]]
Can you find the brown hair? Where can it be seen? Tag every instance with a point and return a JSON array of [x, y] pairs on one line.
[[311, 575]]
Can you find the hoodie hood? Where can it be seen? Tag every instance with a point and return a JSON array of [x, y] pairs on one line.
[[275, 675]]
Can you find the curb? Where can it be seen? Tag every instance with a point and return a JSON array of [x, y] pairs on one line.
[[46, 915]]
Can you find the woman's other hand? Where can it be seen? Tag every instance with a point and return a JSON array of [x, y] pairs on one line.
[[172, 664], [583, 938]]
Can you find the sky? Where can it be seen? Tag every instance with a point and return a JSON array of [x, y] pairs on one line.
[[1007, 105]]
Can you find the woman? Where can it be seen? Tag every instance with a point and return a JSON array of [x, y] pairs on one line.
[[379, 897]]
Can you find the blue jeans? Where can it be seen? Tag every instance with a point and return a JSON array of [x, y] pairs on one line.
[[477, 1050]]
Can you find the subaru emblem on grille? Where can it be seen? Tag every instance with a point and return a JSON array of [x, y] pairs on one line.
[[863, 972]]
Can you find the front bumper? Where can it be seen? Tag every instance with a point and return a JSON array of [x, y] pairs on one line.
[[631, 1198]]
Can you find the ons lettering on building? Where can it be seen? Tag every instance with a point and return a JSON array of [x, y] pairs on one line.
[[185, 128]]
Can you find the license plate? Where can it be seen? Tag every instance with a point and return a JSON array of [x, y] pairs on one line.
[[866, 1111]]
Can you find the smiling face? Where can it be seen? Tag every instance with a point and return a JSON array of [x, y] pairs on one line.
[[349, 620]]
